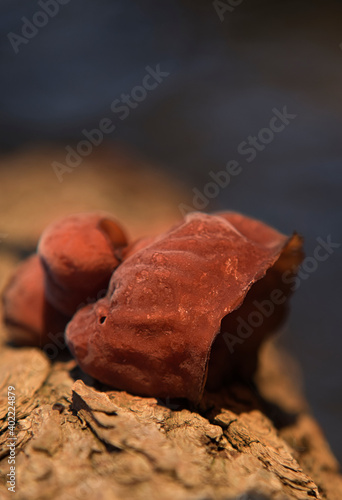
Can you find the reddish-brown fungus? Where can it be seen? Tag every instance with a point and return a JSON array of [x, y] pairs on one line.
[[262, 311], [29, 318], [136, 245], [79, 254], [154, 331]]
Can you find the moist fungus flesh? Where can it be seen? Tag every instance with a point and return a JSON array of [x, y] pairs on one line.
[[163, 323]]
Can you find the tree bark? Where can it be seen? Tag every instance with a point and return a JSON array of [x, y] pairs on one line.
[[76, 438]]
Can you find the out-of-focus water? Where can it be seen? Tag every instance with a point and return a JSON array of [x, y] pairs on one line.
[[226, 77]]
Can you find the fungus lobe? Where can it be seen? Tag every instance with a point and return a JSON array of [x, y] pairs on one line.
[[154, 332], [29, 317], [79, 254]]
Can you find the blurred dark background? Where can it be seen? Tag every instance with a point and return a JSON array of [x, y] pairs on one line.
[[228, 69]]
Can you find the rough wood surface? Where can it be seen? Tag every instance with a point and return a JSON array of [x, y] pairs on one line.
[[77, 439]]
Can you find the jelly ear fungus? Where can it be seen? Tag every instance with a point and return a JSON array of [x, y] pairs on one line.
[[30, 319], [264, 309], [160, 329], [79, 254]]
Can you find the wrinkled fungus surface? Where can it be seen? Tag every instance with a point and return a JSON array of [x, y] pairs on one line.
[[169, 304], [182, 311]]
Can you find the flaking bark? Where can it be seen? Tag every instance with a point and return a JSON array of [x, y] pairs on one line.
[[79, 439]]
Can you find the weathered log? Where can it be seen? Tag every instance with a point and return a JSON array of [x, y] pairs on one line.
[[79, 439]]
